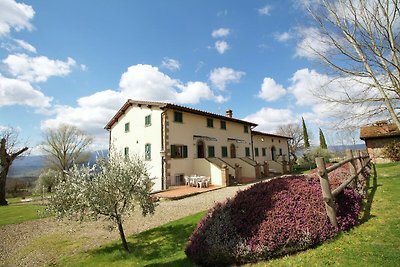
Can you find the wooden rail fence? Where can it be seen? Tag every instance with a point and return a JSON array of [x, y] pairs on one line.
[[357, 165]]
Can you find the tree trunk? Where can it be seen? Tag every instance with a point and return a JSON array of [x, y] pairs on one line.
[[122, 234], [3, 177]]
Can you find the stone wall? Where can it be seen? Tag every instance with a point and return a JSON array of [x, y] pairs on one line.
[[375, 147]]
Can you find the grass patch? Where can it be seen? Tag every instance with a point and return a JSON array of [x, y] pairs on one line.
[[161, 246], [375, 242], [17, 213]]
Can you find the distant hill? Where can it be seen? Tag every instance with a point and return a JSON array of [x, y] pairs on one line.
[[346, 147], [31, 166]]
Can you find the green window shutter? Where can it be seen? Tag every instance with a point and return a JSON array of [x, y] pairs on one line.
[[256, 151], [127, 127], [223, 125], [178, 117], [147, 151], [264, 152], [246, 128], [185, 151], [247, 149], [210, 123], [173, 151], [147, 120], [211, 151], [224, 151]]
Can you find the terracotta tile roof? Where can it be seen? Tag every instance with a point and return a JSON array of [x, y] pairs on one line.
[[164, 105], [380, 129], [268, 134]]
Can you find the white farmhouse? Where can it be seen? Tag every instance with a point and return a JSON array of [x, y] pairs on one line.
[[178, 141]]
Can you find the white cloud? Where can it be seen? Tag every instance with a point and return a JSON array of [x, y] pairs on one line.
[[16, 92], [171, 64], [304, 83], [265, 11], [221, 46], [283, 37], [221, 32], [270, 90], [145, 82], [219, 77], [37, 69], [25, 45], [269, 119], [15, 16], [312, 43]]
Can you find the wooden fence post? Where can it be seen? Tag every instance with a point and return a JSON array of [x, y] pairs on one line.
[[326, 191], [353, 167]]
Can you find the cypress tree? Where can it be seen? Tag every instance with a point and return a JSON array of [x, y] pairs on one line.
[[322, 142], [305, 135]]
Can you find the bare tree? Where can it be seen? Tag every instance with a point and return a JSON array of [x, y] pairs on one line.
[[9, 151], [294, 131], [65, 146], [359, 41]]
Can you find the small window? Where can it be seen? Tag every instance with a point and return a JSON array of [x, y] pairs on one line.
[[264, 151], [211, 152], [126, 152], [272, 140], [223, 125], [247, 150], [246, 128], [224, 151], [147, 120], [147, 151], [127, 127], [179, 151], [279, 140], [210, 123], [256, 151], [280, 151], [178, 116]]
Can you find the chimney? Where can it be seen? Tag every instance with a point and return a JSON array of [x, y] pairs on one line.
[[229, 113]]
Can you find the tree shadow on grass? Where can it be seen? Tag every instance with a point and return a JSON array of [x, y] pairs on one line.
[[370, 196], [154, 247]]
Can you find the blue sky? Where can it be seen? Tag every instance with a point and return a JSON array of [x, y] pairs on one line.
[[78, 61]]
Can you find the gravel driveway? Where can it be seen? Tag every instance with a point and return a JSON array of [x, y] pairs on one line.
[[40, 242]]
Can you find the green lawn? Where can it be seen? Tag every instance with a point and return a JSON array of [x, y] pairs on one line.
[[373, 243], [17, 213]]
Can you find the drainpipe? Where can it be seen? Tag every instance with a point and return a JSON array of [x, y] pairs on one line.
[[251, 138], [163, 176]]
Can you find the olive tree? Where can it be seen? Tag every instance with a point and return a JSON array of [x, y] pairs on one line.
[[10, 150], [47, 180], [110, 189]]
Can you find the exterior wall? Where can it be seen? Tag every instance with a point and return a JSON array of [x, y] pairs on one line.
[[208, 169], [182, 133], [139, 135], [375, 146], [267, 142]]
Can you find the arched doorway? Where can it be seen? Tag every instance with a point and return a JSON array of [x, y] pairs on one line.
[[273, 153], [233, 151], [200, 149]]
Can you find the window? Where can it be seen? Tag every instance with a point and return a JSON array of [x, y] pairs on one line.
[[178, 116], [210, 123], [223, 125], [127, 127], [147, 151], [247, 150], [246, 128], [179, 151], [264, 151], [280, 151], [126, 152], [211, 151], [256, 151], [147, 120], [224, 151], [272, 140]]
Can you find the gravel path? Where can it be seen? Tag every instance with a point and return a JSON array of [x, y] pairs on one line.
[[41, 242]]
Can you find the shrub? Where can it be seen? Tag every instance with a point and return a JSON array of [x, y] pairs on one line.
[[309, 156], [267, 220], [392, 150]]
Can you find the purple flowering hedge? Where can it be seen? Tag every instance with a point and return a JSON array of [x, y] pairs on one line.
[[270, 219]]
